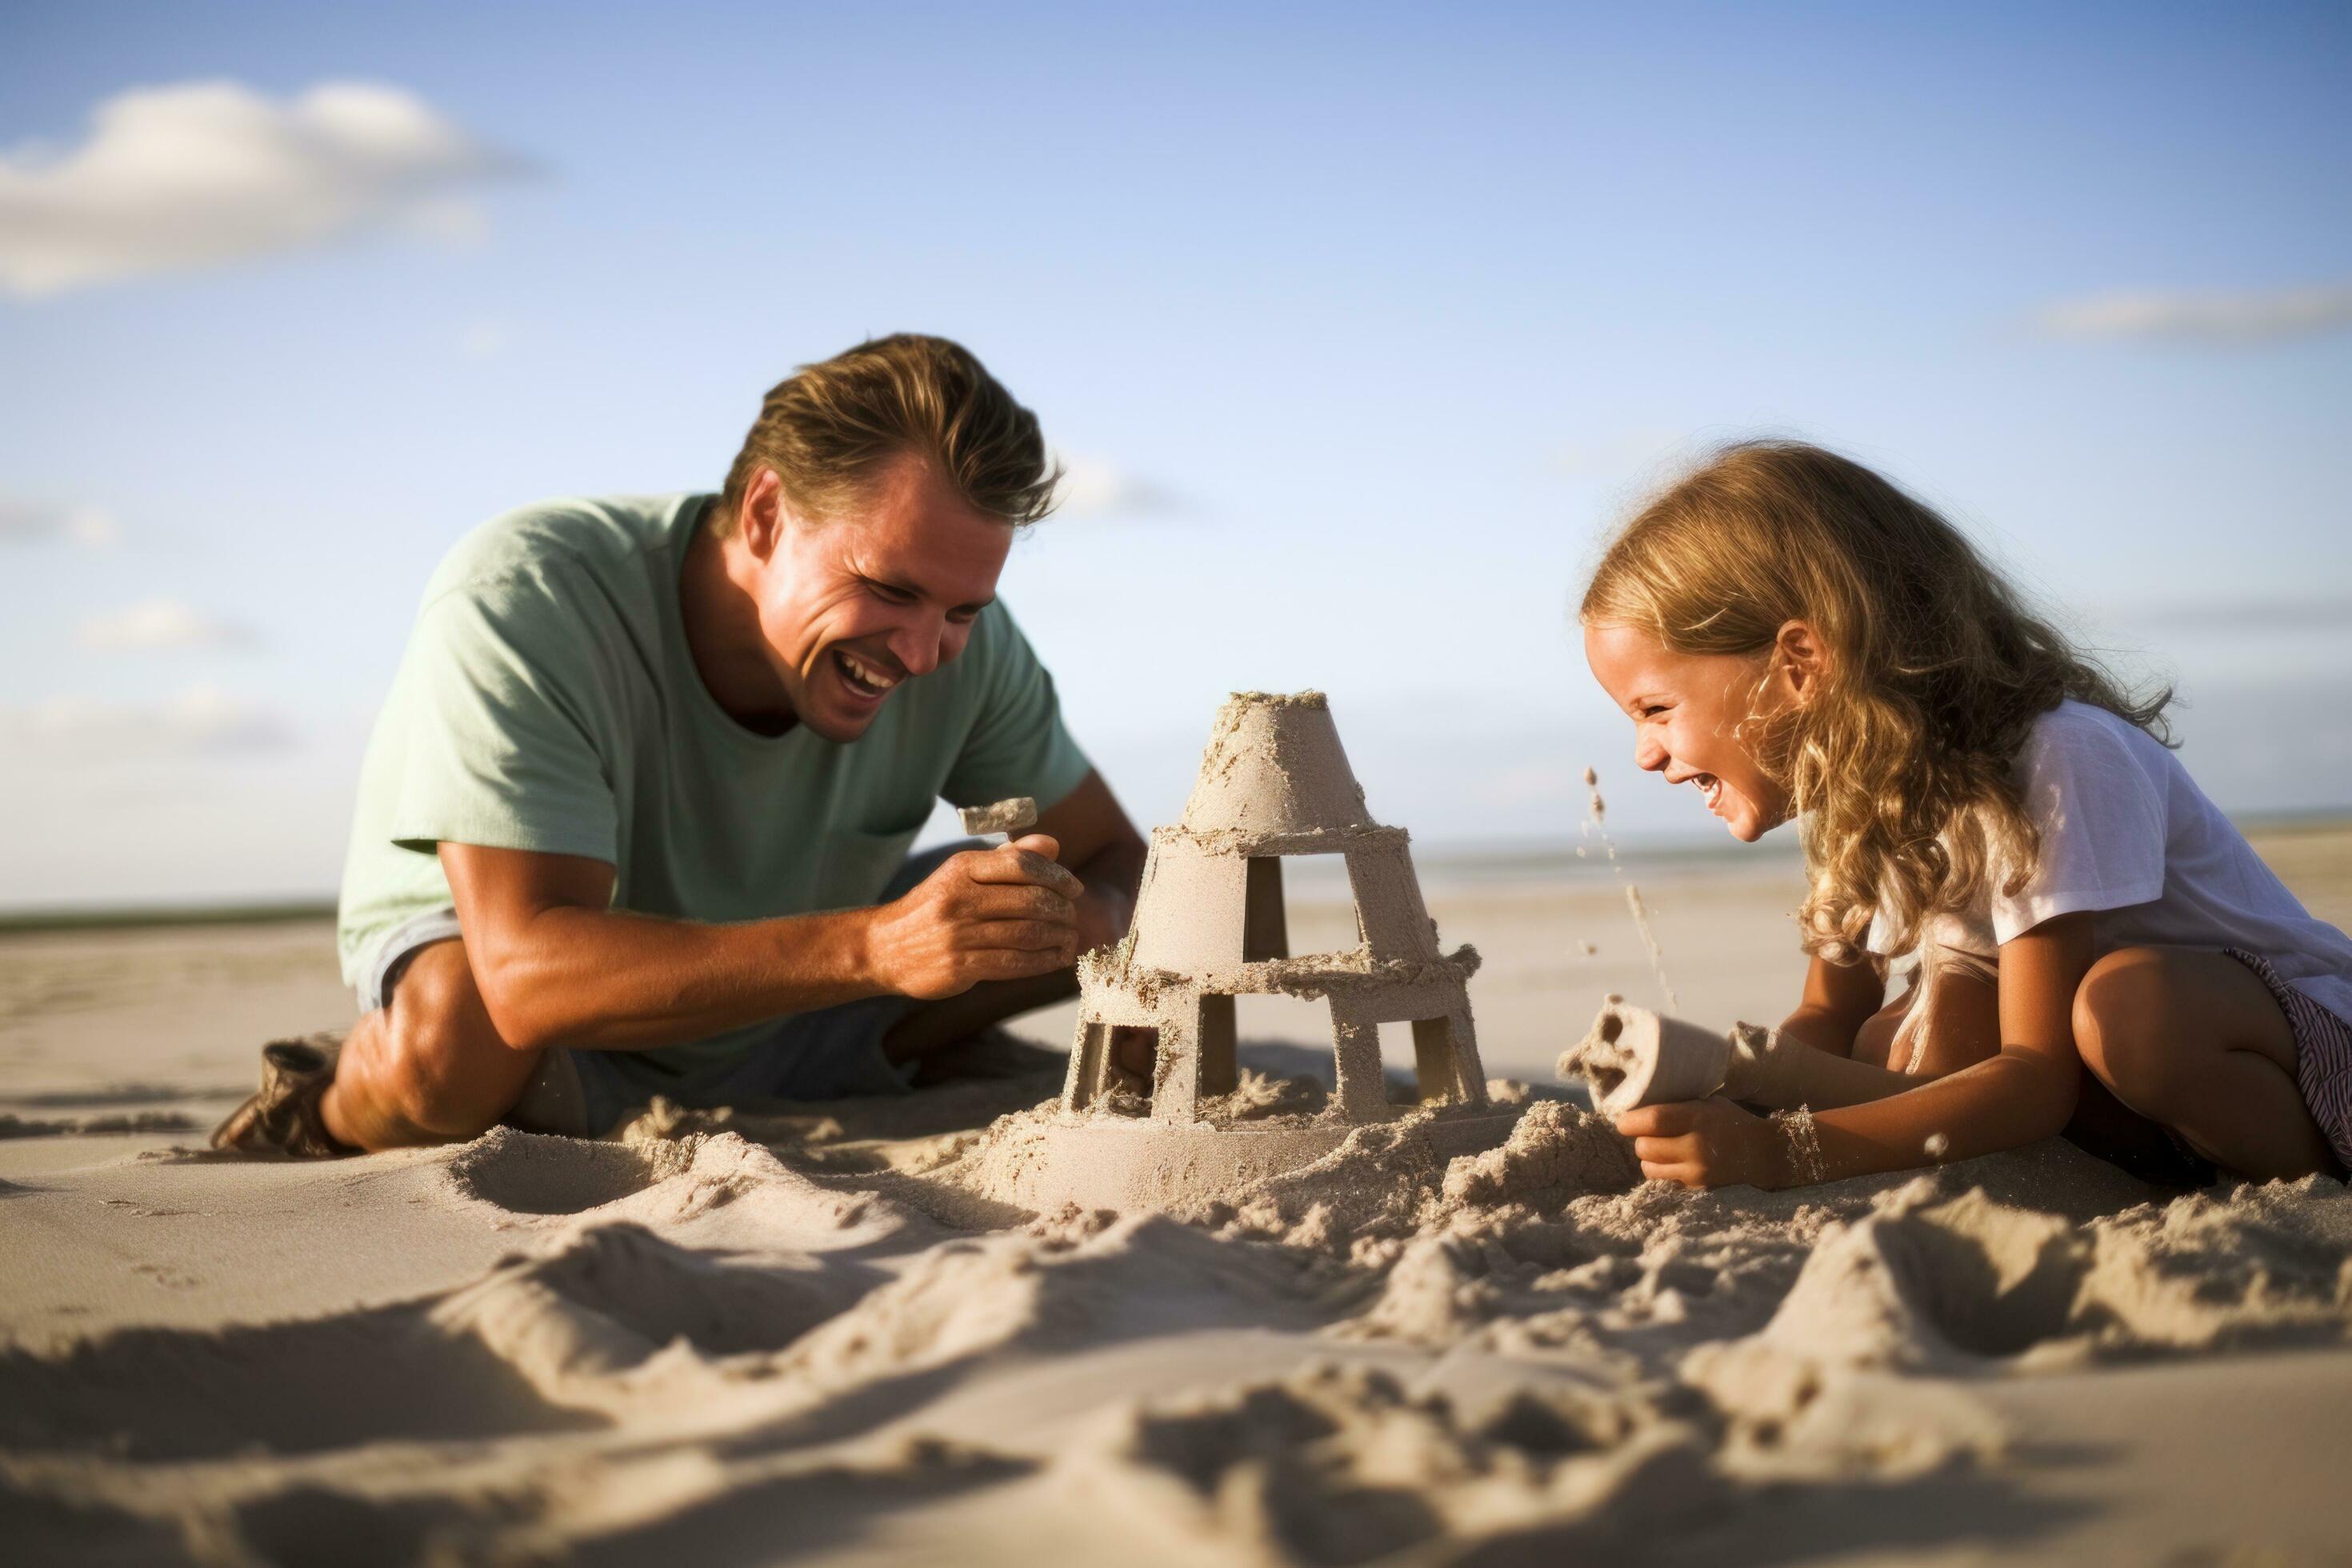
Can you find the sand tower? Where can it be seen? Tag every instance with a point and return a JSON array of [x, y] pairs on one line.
[[1210, 925]]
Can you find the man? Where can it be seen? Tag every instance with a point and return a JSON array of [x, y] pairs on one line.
[[636, 817]]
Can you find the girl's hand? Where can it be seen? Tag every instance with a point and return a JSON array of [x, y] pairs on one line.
[[1707, 1144]]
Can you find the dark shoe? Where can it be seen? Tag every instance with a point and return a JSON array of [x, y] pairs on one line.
[[283, 1118]]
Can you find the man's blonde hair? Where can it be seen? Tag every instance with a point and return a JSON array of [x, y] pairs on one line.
[[826, 428], [1935, 670]]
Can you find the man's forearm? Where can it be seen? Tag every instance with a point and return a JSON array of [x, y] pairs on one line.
[[1108, 905], [609, 980], [1103, 911]]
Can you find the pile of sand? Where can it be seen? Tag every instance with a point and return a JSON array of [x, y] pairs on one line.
[[713, 1324]]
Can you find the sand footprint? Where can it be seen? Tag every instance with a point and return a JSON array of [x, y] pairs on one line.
[[617, 1311], [525, 1172]]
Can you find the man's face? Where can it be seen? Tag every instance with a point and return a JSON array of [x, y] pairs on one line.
[[852, 606]]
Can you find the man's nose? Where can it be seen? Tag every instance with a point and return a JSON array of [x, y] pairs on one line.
[[916, 647], [1648, 755]]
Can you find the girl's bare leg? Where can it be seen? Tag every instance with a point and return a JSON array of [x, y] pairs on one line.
[[2194, 1040]]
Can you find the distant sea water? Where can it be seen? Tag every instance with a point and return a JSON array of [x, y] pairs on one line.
[[1469, 866], [1445, 867]]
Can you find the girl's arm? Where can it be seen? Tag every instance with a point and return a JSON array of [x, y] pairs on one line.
[[1812, 1062], [1839, 999], [2025, 1092]]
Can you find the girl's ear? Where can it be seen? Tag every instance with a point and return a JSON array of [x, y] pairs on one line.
[[1802, 658]]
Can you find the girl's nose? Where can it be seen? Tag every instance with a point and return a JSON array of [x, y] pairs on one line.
[[1648, 754]]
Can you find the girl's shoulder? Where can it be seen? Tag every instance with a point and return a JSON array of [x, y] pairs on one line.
[[2085, 727], [2108, 802], [2078, 758]]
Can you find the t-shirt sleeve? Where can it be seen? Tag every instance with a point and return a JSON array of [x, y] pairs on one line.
[[507, 713], [1016, 744], [2101, 819]]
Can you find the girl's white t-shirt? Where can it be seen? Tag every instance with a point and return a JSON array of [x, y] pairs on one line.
[[2126, 833]]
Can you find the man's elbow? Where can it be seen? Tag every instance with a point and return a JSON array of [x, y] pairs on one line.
[[516, 1002], [1125, 855]]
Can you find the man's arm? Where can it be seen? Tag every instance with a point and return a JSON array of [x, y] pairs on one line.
[[1099, 843], [1101, 846], [556, 966]]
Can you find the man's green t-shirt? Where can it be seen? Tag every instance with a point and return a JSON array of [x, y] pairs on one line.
[[548, 701]]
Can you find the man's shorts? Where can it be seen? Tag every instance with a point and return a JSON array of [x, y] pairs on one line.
[[833, 1053]]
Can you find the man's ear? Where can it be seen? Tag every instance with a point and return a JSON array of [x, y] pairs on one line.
[[760, 521], [1802, 659]]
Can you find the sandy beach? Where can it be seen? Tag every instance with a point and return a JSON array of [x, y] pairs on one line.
[[822, 1332]]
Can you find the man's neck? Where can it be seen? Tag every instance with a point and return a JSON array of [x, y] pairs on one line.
[[721, 617]]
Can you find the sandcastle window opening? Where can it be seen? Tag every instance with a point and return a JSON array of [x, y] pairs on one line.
[[1266, 914], [1104, 1048], [1434, 1061]]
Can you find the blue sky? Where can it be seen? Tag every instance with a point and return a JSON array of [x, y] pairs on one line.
[[1362, 325]]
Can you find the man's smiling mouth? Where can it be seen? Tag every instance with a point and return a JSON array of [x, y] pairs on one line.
[[864, 680]]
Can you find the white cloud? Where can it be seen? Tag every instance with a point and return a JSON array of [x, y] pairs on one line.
[[1093, 487], [2253, 316], [484, 340], [203, 721], [26, 521], [200, 173], [159, 624]]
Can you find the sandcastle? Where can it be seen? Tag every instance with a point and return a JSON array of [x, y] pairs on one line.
[[1210, 925]]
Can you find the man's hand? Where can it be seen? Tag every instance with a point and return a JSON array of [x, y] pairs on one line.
[[1707, 1144], [985, 914]]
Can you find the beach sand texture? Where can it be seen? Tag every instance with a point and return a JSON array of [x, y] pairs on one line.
[[831, 1333]]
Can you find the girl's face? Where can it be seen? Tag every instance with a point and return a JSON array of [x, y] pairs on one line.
[[1688, 711]]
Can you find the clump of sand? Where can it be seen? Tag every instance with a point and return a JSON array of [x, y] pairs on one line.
[[834, 1315]]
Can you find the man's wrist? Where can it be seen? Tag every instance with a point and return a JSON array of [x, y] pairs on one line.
[[1113, 911], [863, 952]]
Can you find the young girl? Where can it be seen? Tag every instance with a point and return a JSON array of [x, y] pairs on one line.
[[1794, 636]]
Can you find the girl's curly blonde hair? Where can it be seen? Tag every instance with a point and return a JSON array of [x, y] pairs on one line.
[[1934, 672]]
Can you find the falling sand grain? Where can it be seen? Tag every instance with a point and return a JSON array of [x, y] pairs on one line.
[[1596, 821]]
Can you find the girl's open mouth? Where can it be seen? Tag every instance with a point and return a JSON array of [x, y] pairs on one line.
[[1711, 788]]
